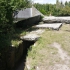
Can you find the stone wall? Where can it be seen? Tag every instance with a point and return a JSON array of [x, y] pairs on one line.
[[13, 56]]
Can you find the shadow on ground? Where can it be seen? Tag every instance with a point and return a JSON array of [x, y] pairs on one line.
[[67, 30], [21, 63]]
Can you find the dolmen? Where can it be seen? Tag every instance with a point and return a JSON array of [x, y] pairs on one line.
[[54, 26], [30, 37], [52, 19]]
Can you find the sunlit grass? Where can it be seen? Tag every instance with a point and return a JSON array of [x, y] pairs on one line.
[[16, 37], [15, 43], [43, 54]]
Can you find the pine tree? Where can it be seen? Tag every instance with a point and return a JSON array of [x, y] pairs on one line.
[[57, 4], [61, 4]]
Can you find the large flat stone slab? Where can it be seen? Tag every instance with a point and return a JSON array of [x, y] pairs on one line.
[[30, 37], [50, 26], [38, 31], [56, 19]]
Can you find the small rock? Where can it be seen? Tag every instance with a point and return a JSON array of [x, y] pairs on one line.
[[37, 68], [28, 67]]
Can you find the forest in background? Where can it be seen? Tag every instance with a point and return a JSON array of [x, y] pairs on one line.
[[58, 9]]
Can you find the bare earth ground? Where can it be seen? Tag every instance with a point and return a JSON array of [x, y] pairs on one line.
[[63, 55], [52, 51]]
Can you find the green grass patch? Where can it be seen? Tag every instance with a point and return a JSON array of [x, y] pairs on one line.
[[15, 41], [43, 54]]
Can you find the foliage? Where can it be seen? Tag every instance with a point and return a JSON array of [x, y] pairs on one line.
[[7, 7], [58, 9], [65, 11]]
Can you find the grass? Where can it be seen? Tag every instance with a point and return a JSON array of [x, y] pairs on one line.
[[18, 33], [16, 37], [16, 43], [43, 54]]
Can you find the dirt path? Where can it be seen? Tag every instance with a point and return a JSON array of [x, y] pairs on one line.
[[63, 56]]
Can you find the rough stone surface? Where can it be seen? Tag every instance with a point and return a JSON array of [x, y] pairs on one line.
[[33, 35], [26, 13], [30, 37], [50, 25], [38, 31], [57, 19]]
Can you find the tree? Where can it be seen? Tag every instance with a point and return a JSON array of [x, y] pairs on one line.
[[65, 11], [58, 9], [61, 5], [57, 4], [66, 3], [69, 3], [7, 7]]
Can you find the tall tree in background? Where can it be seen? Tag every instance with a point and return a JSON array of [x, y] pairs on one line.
[[66, 3], [58, 9], [61, 4], [69, 3], [57, 4]]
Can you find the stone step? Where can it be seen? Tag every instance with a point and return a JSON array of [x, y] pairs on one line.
[[33, 35], [38, 31], [50, 26], [30, 37]]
